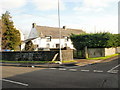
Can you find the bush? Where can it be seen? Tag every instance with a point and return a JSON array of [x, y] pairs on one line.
[[97, 40]]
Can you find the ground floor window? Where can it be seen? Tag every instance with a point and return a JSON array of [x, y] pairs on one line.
[[57, 45]]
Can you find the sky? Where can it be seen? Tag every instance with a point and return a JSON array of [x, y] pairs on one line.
[[89, 15]]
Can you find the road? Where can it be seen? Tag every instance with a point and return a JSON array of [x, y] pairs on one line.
[[100, 75]]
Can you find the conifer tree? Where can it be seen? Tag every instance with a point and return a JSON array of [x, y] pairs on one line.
[[10, 35]]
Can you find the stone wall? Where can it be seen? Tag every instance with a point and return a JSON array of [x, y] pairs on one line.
[[36, 55], [29, 55], [117, 49], [95, 52], [109, 51], [67, 55], [102, 52]]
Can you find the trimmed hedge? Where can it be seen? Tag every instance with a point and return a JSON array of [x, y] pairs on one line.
[[97, 40]]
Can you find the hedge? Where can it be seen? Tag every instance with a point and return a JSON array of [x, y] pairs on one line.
[[97, 40]]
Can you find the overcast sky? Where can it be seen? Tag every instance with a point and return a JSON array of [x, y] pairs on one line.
[[89, 15]]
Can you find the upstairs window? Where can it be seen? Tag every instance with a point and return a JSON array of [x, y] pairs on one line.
[[66, 39], [48, 38]]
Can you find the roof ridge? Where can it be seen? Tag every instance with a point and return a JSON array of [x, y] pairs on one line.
[[58, 27]]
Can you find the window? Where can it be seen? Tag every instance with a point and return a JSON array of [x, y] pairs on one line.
[[57, 45], [65, 44], [48, 45], [48, 38], [66, 39]]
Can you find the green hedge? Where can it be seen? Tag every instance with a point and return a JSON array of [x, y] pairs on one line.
[[97, 40]]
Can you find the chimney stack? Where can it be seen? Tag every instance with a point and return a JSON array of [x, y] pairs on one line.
[[64, 27], [33, 25]]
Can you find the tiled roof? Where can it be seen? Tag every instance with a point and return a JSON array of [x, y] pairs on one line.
[[54, 32]]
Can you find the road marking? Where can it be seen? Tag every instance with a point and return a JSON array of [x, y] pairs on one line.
[[113, 71], [52, 68], [62, 69], [33, 66], [61, 66], [97, 71], [113, 68], [15, 82], [85, 70], [72, 69]]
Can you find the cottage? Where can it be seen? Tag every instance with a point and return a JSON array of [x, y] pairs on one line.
[[49, 37]]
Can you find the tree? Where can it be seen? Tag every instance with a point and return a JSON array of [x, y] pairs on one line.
[[10, 35], [29, 46]]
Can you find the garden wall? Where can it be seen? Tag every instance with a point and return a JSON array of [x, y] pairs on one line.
[[36, 55], [67, 55], [117, 49], [95, 52], [102, 52], [109, 51]]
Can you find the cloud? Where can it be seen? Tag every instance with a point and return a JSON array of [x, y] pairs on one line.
[[94, 5], [10, 4], [86, 9], [7, 5], [48, 4], [98, 3]]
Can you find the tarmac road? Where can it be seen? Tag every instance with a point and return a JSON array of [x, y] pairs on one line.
[[100, 75]]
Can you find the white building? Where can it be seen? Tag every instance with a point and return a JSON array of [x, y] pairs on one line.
[[49, 37]]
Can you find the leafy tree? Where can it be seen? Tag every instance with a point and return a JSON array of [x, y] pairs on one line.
[[29, 46], [10, 35]]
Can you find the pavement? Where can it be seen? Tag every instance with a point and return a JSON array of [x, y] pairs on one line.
[[80, 62]]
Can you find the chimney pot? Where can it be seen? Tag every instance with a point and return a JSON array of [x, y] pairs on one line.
[[33, 25], [64, 27]]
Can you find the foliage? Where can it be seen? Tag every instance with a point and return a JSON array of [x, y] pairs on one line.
[[10, 35], [29, 46], [97, 40]]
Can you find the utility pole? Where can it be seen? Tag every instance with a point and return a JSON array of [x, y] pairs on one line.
[[59, 31]]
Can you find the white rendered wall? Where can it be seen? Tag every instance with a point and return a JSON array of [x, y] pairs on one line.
[[42, 42]]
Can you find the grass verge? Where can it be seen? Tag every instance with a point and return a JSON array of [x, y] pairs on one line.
[[69, 61], [106, 57], [36, 62], [26, 62]]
